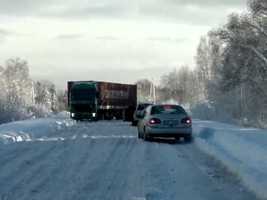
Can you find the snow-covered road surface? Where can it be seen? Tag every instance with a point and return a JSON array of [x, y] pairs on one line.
[[105, 160]]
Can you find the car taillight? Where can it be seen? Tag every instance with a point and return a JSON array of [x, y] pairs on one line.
[[154, 121], [187, 120]]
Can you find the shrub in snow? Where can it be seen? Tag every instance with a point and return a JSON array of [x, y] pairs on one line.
[[206, 111], [22, 98], [39, 111]]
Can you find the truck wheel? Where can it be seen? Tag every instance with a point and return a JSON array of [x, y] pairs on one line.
[[146, 137], [177, 139], [95, 119], [188, 138]]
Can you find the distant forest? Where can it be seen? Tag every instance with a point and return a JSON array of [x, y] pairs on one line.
[[23, 98], [229, 82]]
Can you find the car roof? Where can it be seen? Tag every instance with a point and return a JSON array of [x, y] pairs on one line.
[[145, 104], [167, 104]]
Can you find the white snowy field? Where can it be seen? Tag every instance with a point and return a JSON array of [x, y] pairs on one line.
[[58, 158]]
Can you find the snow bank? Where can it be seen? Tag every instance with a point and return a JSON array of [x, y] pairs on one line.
[[242, 150], [29, 130], [60, 127]]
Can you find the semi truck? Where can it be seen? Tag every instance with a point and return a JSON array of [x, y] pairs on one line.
[[97, 100]]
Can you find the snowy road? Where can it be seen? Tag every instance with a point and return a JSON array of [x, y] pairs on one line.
[[105, 160]]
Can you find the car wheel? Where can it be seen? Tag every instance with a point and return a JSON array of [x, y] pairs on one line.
[[139, 135], [188, 138], [142, 135], [177, 139], [145, 136]]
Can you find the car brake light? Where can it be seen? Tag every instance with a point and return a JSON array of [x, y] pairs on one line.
[[154, 121], [187, 120]]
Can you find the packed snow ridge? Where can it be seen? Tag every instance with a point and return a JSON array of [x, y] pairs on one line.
[[59, 128], [242, 150], [29, 130]]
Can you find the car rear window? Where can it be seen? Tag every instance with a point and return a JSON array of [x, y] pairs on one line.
[[167, 109]]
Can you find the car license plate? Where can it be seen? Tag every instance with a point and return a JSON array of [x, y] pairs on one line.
[[170, 123]]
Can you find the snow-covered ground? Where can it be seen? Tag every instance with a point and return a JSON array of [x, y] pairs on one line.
[[242, 150], [58, 158], [31, 130]]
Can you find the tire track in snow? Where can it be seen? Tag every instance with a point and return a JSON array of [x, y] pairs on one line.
[[25, 170], [98, 175], [39, 187], [118, 179], [135, 168], [7, 156], [156, 171], [9, 169], [222, 181], [169, 175], [74, 176], [63, 171]]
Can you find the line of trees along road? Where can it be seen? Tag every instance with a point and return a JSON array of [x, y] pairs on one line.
[[229, 82], [23, 98], [232, 66]]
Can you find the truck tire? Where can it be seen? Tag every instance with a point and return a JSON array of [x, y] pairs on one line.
[[95, 119], [188, 138]]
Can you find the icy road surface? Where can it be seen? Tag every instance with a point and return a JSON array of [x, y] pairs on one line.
[[105, 160]]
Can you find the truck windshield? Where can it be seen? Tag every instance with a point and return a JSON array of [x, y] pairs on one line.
[[83, 94]]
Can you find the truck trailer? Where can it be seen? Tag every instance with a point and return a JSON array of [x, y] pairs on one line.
[[96, 100]]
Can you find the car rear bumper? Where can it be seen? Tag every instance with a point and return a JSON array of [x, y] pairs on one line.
[[175, 132]]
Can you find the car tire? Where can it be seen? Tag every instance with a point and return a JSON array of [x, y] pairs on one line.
[[177, 139], [145, 136], [139, 135], [188, 138], [142, 135]]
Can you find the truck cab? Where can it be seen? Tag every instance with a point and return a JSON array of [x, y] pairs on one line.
[[83, 100]]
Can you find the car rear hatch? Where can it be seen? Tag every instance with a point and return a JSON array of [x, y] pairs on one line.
[[170, 121]]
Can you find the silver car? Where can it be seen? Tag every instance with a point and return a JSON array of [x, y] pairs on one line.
[[170, 121]]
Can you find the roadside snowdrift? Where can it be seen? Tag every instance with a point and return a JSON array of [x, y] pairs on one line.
[[29, 130], [242, 150], [61, 127]]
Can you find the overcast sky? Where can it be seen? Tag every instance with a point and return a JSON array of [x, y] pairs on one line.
[[111, 40]]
